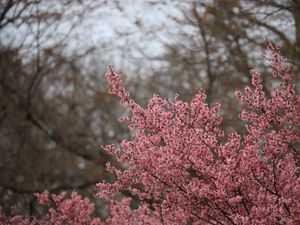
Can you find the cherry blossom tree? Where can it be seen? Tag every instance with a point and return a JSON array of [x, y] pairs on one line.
[[183, 169]]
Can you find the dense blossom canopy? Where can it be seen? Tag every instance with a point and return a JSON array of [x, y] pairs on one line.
[[185, 170]]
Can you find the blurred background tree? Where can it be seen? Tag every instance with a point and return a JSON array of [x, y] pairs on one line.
[[55, 112]]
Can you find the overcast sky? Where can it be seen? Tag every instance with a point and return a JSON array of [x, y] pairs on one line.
[[120, 29]]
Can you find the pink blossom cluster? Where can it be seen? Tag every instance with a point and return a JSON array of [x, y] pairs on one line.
[[185, 170], [60, 210]]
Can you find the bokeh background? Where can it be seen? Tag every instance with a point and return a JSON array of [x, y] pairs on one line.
[[55, 110]]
